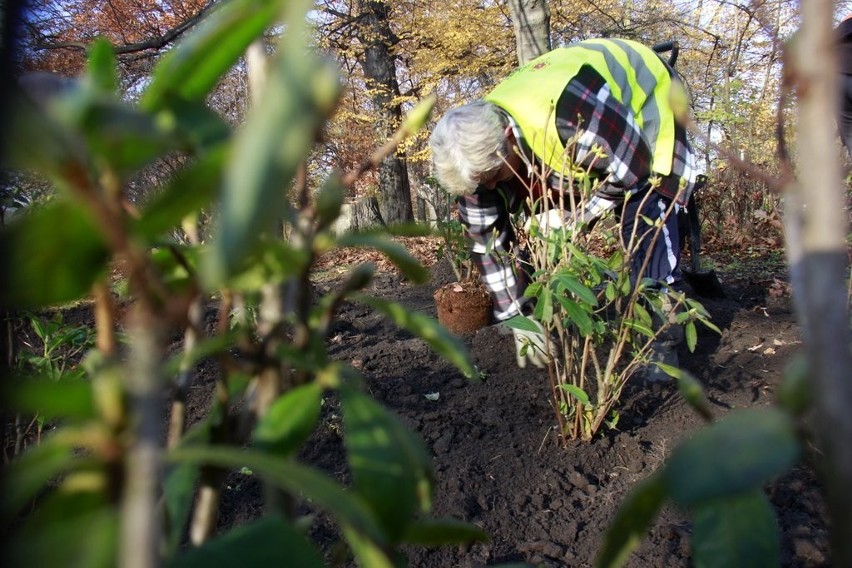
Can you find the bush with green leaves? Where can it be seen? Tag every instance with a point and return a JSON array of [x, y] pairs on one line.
[[600, 321], [53, 351], [56, 349], [105, 488]]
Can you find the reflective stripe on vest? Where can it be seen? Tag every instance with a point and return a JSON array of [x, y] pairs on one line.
[[636, 76]]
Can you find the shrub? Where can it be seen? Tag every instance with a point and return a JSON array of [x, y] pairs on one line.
[[600, 321], [97, 481]]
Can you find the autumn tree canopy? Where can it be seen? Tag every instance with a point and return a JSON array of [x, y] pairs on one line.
[[393, 53], [56, 33]]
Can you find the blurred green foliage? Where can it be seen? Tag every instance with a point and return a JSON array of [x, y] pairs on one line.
[[66, 500]]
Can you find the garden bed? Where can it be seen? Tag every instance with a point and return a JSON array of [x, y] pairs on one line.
[[498, 461]]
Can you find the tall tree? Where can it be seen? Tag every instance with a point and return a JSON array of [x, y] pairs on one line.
[[378, 61], [531, 22], [817, 229]]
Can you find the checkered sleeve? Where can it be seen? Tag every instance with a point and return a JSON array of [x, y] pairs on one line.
[[486, 216], [609, 142], [606, 138]]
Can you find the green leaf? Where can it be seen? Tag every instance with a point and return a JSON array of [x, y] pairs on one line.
[[191, 190], [427, 329], [37, 140], [576, 392], [123, 136], [194, 124], [670, 370], [691, 336], [583, 293], [52, 255], [418, 116], [102, 66], [794, 392], [28, 474], [642, 315], [178, 495], [292, 477], [578, 315], [391, 467], [609, 291], [272, 261], [398, 254], [638, 327], [544, 307], [443, 532], [68, 529], [648, 220], [329, 201], [739, 453], [710, 325], [367, 553], [698, 307], [533, 290], [301, 91], [195, 66], [523, 323], [176, 264], [266, 542], [635, 515], [68, 398], [693, 392], [290, 420], [739, 532]]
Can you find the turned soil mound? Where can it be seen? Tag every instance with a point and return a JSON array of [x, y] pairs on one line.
[[498, 461]]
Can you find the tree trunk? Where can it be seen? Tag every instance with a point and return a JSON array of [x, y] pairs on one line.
[[531, 22], [358, 216], [379, 64], [816, 229]]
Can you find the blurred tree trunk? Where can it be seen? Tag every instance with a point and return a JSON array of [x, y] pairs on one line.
[[816, 229], [531, 22], [379, 64]]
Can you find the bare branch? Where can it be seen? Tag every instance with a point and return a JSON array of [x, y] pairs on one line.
[[152, 44]]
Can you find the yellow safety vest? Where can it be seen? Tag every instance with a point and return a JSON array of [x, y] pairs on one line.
[[636, 76]]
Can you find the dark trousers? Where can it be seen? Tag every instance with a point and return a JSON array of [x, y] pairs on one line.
[[663, 253], [844, 121]]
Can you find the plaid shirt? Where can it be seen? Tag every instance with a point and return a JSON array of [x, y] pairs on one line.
[[624, 166]]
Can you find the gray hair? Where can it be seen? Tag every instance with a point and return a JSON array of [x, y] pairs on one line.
[[466, 142]]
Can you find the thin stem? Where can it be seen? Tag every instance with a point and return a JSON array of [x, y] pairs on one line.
[[140, 527]]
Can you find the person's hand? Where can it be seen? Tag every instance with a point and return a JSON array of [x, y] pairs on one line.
[[547, 221], [530, 347]]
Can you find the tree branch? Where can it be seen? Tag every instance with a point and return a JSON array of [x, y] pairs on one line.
[[151, 44]]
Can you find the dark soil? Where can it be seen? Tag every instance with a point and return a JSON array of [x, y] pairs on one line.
[[499, 463]]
